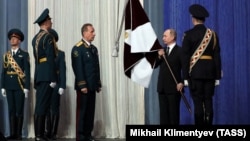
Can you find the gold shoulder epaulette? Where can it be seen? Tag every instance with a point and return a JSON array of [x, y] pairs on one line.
[[79, 43]]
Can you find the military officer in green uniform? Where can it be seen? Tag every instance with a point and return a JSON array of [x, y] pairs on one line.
[[85, 64], [52, 117], [45, 76], [15, 82]]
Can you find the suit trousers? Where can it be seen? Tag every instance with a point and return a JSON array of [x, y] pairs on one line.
[[169, 108]]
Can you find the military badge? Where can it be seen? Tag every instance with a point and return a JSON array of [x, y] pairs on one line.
[[75, 53]]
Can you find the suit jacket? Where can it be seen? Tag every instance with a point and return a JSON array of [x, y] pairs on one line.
[[61, 70], [85, 64], [44, 70], [11, 81], [204, 68], [166, 83]]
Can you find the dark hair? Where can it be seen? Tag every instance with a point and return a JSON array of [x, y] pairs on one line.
[[85, 27]]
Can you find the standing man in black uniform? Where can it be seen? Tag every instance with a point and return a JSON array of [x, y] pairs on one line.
[[85, 64], [52, 117], [16, 82], [202, 64], [170, 82], [45, 72]]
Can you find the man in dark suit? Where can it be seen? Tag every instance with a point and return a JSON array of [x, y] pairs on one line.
[[202, 64], [170, 83], [85, 64], [53, 115], [16, 82], [45, 71]]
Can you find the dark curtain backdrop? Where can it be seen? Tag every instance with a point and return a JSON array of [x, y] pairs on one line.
[[231, 20], [13, 14]]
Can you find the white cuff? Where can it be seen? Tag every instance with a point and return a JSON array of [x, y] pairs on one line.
[[61, 91], [52, 84], [3, 92], [185, 83], [217, 82]]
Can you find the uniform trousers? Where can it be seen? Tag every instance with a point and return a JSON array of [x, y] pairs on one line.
[[85, 112], [43, 96], [55, 102], [202, 92], [15, 99]]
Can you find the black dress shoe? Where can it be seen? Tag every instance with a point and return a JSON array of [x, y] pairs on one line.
[[41, 139], [91, 139], [53, 137], [11, 137]]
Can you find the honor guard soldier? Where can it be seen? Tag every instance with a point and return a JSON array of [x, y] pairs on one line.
[[85, 64], [45, 77], [15, 82], [53, 116], [202, 64]]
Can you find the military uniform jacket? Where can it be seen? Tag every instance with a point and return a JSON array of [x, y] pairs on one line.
[[166, 82], [45, 54], [61, 70], [204, 68], [85, 64], [10, 80]]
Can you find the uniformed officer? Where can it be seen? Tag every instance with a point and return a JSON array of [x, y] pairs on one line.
[[45, 71], [52, 117], [15, 82], [202, 64], [85, 64]]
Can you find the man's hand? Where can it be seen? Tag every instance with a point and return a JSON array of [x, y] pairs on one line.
[[179, 87], [61, 91], [52, 84], [84, 90], [99, 90], [3, 92], [161, 52]]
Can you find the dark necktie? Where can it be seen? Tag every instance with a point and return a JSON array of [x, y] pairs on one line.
[[92, 48], [13, 53], [167, 51]]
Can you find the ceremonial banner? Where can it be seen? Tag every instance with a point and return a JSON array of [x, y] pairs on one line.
[[141, 44]]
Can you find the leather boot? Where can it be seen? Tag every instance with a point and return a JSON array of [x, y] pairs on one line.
[[208, 119], [2, 138], [55, 121], [199, 119], [39, 128], [48, 120], [12, 120], [19, 128]]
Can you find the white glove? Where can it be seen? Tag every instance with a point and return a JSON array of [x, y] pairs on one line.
[[217, 82], [52, 84], [185, 83], [3, 92], [26, 92], [61, 91]]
